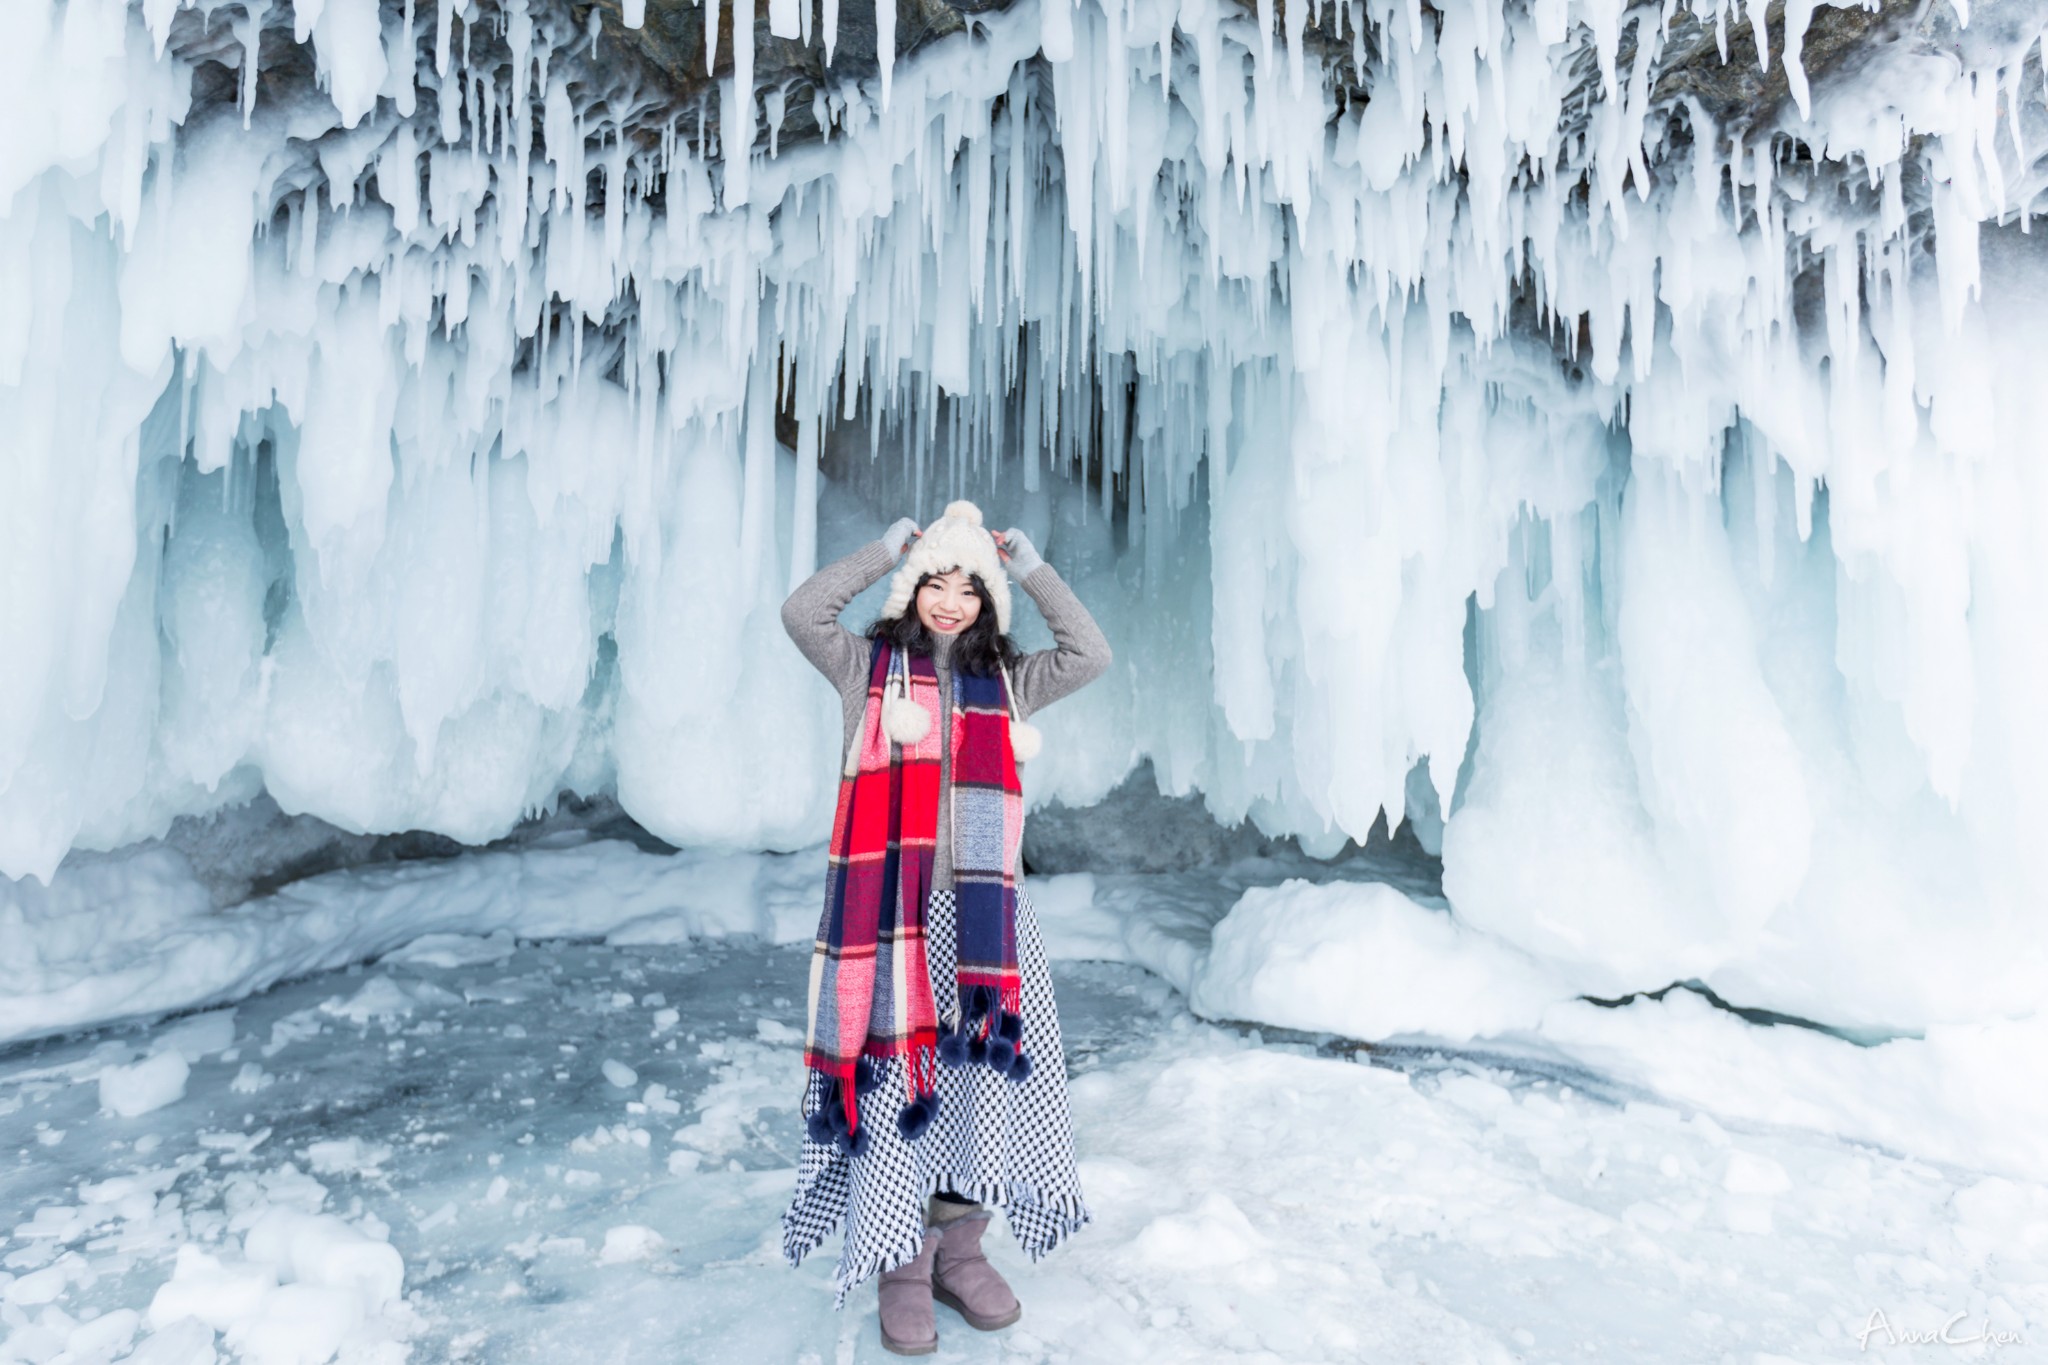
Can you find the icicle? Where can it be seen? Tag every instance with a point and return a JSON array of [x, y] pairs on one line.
[[402, 53], [736, 116], [249, 28], [885, 43], [1798, 13], [444, 25]]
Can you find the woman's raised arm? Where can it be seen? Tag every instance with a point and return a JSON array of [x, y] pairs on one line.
[[1080, 652], [811, 613]]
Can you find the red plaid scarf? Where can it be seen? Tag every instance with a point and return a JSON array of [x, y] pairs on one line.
[[870, 989]]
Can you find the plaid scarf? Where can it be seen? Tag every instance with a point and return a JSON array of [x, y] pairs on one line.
[[870, 987]]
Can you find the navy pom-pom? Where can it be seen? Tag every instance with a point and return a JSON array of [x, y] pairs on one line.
[[977, 1049], [1001, 1052], [835, 1115], [914, 1118], [1011, 1026], [819, 1126], [980, 1000], [865, 1077], [1020, 1068], [855, 1143], [953, 1049]]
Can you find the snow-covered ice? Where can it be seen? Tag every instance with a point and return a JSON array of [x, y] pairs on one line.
[[441, 1165]]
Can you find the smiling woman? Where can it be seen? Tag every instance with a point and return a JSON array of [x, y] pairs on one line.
[[949, 602], [950, 598], [959, 1053]]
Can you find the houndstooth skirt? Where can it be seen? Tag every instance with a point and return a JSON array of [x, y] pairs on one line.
[[996, 1141]]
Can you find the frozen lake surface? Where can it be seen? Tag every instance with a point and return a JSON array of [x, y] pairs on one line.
[[579, 1152]]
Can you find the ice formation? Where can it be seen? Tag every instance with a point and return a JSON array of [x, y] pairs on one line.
[[1446, 414]]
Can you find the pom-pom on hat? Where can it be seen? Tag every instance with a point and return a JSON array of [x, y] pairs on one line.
[[957, 540]]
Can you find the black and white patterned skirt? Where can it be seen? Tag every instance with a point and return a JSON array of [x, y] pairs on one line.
[[996, 1141]]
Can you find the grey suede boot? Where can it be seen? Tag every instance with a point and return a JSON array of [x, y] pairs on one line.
[[909, 1323], [962, 1277]]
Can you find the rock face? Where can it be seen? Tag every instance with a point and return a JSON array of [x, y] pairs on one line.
[[670, 46], [658, 72], [1738, 92], [1741, 92]]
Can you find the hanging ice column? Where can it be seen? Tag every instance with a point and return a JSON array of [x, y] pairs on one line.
[[1445, 413]]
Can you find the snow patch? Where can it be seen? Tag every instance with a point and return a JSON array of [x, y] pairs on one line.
[[1365, 961]]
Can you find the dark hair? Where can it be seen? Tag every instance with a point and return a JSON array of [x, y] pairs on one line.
[[976, 649]]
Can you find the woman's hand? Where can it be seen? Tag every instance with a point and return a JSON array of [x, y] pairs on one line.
[[900, 534], [1016, 550]]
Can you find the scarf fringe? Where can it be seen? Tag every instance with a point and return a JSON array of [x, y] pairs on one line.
[[1070, 1210]]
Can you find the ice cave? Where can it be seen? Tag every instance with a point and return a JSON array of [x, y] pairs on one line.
[[1545, 877]]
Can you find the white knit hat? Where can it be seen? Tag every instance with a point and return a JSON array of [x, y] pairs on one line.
[[955, 541]]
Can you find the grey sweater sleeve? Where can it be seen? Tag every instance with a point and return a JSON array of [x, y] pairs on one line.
[[1079, 655], [811, 615]]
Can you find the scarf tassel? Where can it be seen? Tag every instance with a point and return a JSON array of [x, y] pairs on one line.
[[991, 1033], [917, 1115], [837, 1120]]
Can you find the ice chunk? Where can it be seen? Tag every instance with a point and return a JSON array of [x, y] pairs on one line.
[[775, 1031], [184, 1342], [204, 1287], [453, 950], [322, 1250], [347, 1156], [250, 1079], [380, 998], [630, 1242], [198, 1038], [147, 1085]]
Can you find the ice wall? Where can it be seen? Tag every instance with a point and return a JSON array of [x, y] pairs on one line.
[[394, 425]]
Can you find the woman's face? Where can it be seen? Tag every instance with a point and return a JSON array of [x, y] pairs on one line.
[[948, 603]]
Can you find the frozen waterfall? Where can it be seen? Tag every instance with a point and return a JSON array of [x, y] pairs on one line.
[[416, 410]]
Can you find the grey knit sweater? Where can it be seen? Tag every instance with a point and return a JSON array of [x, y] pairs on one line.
[[811, 616]]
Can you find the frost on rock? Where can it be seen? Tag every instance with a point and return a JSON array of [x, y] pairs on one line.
[[1611, 430]]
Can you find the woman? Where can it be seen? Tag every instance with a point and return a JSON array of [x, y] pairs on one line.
[[936, 1082]]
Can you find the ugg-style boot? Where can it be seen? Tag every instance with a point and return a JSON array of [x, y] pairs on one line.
[[963, 1279], [909, 1323]]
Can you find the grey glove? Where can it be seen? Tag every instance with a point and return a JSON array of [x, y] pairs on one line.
[[1024, 556], [897, 537]]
